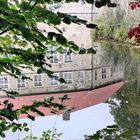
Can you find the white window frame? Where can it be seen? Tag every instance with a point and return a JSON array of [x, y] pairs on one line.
[[37, 80], [4, 85], [53, 54], [54, 80], [67, 77], [82, 77], [21, 83]]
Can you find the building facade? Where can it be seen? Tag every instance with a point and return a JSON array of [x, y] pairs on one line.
[[81, 72]]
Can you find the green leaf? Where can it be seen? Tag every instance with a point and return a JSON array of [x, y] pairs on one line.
[[12, 92], [39, 71], [26, 33], [51, 35], [113, 5], [60, 50], [67, 20], [61, 80], [49, 131], [6, 102], [2, 135], [25, 124], [61, 39], [14, 129], [92, 26], [31, 117], [4, 23], [82, 51], [90, 1], [91, 50], [99, 4], [3, 4], [25, 6], [39, 112], [26, 129]]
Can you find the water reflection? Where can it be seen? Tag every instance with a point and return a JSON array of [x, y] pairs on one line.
[[127, 112], [85, 121], [90, 114], [125, 105], [111, 64]]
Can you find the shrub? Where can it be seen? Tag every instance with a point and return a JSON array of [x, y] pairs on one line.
[[120, 34]]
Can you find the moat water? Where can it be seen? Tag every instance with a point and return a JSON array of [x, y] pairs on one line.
[[120, 104]]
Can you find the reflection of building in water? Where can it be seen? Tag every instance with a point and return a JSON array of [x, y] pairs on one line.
[[78, 99], [79, 71]]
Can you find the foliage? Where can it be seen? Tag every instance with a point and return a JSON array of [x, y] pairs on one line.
[[134, 5], [135, 32], [8, 114], [111, 26], [120, 34], [49, 135], [110, 133], [126, 109], [30, 137]]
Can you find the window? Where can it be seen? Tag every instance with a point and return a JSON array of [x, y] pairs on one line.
[[67, 77], [21, 83], [37, 80], [53, 55], [3, 82], [82, 76], [111, 72], [95, 75], [67, 57], [54, 80], [103, 73]]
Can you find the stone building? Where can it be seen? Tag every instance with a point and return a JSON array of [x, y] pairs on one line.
[[80, 72]]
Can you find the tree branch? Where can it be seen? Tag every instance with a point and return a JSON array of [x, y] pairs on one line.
[[34, 5], [4, 31]]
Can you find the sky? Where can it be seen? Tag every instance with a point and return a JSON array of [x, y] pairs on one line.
[[82, 122]]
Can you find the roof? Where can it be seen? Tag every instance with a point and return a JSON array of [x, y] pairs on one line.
[[79, 100]]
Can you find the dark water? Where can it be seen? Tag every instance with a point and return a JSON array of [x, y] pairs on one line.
[[123, 108], [125, 103]]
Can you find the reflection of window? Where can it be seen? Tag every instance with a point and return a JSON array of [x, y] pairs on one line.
[[37, 80], [54, 80], [53, 55], [82, 76], [21, 82], [111, 72], [104, 73], [67, 58], [3, 82], [95, 75], [67, 77]]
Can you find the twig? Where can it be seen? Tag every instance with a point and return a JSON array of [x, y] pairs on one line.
[[34, 5], [4, 31]]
